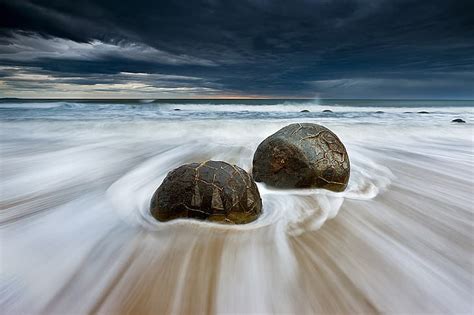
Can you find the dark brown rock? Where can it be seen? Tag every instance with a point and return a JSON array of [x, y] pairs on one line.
[[302, 156], [212, 190]]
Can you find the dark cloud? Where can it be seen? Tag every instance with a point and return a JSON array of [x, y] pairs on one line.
[[301, 48]]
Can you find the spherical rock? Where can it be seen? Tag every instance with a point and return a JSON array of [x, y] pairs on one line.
[[458, 120], [302, 156], [212, 190]]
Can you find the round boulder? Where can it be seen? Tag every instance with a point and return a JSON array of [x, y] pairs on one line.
[[212, 190], [302, 156], [458, 120]]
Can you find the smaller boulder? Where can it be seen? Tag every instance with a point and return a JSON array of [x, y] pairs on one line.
[[176, 109], [458, 120], [304, 111], [423, 112], [327, 111], [379, 112]]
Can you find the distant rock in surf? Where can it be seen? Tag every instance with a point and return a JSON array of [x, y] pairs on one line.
[[458, 120], [423, 112], [408, 112], [212, 190], [327, 111], [304, 111], [302, 156], [379, 112], [176, 109]]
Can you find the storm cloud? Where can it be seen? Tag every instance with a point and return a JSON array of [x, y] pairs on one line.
[[305, 48]]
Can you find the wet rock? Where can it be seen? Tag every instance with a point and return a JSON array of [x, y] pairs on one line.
[[176, 109], [458, 120], [302, 156], [304, 111], [379, 112], [423, 112], [327, 111], [408, 112], [213, 191]]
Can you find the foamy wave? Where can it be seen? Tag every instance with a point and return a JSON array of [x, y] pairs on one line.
[[75, 222], [295, 210], [31, 105]]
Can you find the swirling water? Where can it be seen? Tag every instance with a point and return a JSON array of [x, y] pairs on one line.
[[77, 237]]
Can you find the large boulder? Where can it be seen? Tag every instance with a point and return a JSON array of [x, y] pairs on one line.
[[302, 156], [213, 191]]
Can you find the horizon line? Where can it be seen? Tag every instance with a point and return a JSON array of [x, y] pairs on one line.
[[240, 98]]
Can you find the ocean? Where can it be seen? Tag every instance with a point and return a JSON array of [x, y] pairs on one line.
[[77, 236], [346, 111]]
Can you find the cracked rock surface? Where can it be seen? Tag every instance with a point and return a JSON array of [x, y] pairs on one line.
[[302, 156], [212, 190]]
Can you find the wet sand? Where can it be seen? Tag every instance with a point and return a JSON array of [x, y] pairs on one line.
[[399, 240]]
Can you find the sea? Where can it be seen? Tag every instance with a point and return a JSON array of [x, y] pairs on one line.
[[77, 177]]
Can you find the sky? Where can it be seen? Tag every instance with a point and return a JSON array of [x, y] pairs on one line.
[[237, 49]]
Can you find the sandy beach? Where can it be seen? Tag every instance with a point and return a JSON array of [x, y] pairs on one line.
[[77, 236]]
